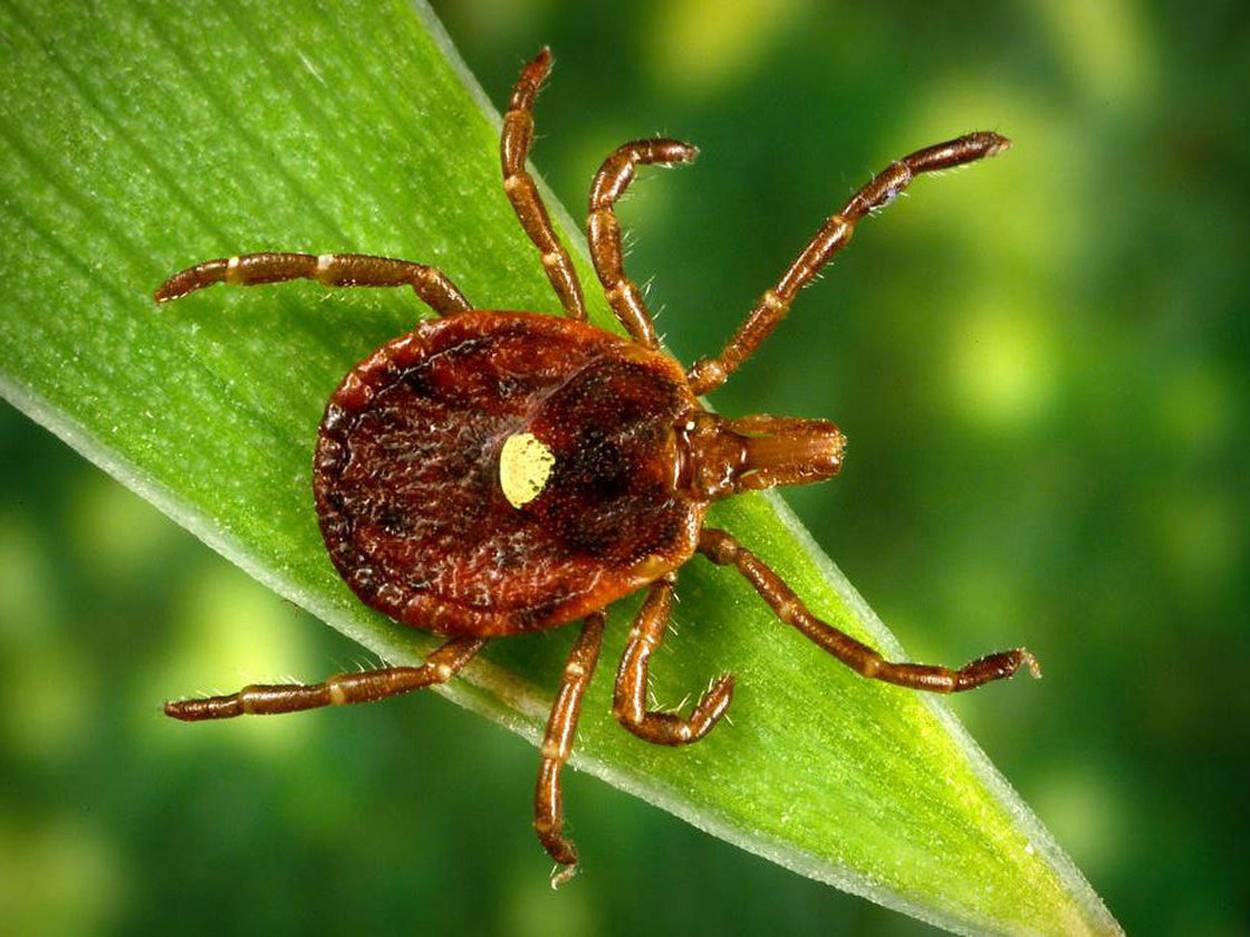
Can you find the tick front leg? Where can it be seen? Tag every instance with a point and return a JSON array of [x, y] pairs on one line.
[[430, 284], [629, 701], [514, 146], [721, 548], [558, 745], [604, 231], [341, 689], [707, 374]]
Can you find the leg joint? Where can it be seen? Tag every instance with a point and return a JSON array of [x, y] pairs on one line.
[[719, 547]]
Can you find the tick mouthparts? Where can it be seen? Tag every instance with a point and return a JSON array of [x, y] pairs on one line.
[[799, 452]]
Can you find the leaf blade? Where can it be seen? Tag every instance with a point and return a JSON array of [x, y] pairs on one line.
[[359, 130]]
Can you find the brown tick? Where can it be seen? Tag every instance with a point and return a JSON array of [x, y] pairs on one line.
[[492, 473]]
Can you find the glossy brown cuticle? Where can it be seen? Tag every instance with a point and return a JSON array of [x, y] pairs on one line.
[[495, 472]]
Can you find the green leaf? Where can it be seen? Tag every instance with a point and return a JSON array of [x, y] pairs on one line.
[[139, 137]]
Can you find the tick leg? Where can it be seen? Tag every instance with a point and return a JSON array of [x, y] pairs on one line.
[[709, 373], [723, 549], [604, 231], [514, 145], [558, 745], [430, 284], [364, 687], [629, 701]]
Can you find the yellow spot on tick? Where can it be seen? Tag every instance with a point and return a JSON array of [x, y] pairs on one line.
[[524, 466]]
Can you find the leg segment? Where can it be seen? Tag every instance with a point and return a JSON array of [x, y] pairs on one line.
[[431, 286], [518, 133], [709, 373], [723, 549], [629, 701], [364, 687], [604, 232], [558, 745]]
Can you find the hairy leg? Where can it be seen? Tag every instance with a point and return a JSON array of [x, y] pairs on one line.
[[339, 690], [604, 231], [723, 549], [707, 374], [558, 745], [429, 283], [629, 703], [514, 145]]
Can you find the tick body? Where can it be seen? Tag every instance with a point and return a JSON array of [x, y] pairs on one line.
[[497, 472], [410, 475]]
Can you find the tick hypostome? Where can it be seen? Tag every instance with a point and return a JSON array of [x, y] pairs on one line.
[[492, 472]]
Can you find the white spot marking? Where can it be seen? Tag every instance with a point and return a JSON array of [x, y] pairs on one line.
[[525, 464]]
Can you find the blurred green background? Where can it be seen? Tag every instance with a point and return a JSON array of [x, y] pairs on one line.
[[1042, 365]]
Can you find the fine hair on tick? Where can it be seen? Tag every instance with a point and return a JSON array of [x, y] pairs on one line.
[[494, 472]]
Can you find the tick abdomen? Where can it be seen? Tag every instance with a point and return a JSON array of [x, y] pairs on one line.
[[408, 475]]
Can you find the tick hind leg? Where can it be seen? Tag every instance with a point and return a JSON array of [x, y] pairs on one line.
[[723, 549], [709, 373], [341, 689], [629, 701], [430, 284], [514, 145], [604, 231], [558, 745]]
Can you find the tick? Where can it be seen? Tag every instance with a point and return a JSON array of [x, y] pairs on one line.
[[492, 473]]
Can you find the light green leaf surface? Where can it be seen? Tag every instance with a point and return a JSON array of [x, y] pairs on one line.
[[139, 137]]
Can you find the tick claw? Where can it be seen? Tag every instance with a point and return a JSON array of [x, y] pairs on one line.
[[561, 874], [1035, 669]]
